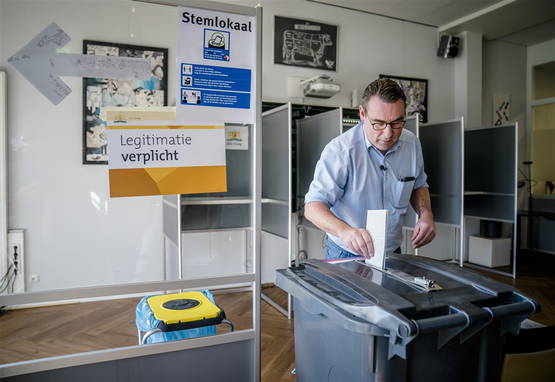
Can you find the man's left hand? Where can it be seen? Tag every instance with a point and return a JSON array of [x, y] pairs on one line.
[[424, 231]]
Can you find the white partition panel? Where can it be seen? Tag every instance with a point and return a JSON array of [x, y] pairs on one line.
[[313, 134], [276, 197], [276, 170]]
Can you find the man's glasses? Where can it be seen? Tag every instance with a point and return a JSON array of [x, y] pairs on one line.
[[380, 125]]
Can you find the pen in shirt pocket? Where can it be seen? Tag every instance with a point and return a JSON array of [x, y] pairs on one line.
[[407, 179]]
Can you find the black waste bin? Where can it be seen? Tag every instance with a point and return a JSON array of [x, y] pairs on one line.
[[418, 320]]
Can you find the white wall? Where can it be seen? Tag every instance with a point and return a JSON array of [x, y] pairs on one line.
[[504, 72], [76, 234], [368, 45], [468, 80], [537, 54]]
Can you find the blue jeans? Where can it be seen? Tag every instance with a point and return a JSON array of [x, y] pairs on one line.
[[333, 251]]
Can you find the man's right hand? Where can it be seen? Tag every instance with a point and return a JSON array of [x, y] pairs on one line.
[[358, 240]]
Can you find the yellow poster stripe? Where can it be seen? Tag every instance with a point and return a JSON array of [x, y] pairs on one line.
[[162, 181], [164, 127]]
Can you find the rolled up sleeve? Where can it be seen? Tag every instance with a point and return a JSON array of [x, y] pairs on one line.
[[330, 177]]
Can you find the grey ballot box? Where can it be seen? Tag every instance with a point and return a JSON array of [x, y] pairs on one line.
[[417, 320]]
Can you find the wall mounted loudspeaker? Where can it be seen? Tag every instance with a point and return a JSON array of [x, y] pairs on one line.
[[448, 46]]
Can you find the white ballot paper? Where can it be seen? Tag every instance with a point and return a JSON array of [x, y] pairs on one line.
[[376, 224]]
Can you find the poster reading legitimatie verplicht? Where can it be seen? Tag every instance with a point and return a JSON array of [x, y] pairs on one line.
[[165, 158]]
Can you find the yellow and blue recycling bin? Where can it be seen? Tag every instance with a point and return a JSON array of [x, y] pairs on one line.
[[177, 316]]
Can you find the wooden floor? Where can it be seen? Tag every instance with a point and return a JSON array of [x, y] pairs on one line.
[[27, 334], [63, 329], [536, 279]]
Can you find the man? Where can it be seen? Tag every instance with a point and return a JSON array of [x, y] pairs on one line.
[[375, 165]]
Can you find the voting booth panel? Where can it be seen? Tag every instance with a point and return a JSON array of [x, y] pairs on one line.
[[491, 165], [276, 197], [294, 136], [442, 148], [314, 133], [412, 125]]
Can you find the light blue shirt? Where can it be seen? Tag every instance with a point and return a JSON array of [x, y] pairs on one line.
[[352, 176]]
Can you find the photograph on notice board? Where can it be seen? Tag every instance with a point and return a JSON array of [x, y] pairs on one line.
[[105, 92], [305, 43], [416, 91]]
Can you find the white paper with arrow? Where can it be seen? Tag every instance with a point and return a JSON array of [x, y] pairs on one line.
[[41, 65]]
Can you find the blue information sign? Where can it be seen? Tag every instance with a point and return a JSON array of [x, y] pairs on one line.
[[206, 85]]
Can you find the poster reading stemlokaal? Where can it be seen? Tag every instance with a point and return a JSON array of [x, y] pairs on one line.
[[216, 57]]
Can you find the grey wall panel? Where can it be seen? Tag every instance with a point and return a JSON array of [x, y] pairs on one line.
[[490, 206], [412, 125], [313, 134], [275, 155], [219, 216], [275, 219], [238, 170], [544, 239], [442, 150], [490, 160], [544, 227], [225, 362], [171, 222]]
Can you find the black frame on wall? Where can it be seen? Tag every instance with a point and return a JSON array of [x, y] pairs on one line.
[[106, 92], [417, 103]]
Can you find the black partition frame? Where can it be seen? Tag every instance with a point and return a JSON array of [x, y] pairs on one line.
[[491, 191]]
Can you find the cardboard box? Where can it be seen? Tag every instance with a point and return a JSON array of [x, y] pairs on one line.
[[489, 252]]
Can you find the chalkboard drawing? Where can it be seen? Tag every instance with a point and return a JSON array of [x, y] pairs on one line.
[[298, 44], [305, 43]]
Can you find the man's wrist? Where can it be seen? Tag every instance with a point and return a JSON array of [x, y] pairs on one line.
[[343, 229], [426, 214]]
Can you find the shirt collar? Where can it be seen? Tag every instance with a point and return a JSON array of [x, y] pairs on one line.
[[369, 144]]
